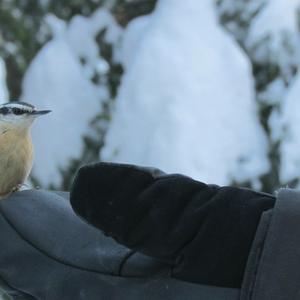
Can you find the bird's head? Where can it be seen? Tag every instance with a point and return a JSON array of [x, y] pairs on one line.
[[18, 115]]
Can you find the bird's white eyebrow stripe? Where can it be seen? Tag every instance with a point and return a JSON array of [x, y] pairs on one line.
[[20, 106], [19, 103]]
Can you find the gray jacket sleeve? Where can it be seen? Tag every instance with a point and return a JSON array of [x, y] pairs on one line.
[[48, 253], [273, 269]]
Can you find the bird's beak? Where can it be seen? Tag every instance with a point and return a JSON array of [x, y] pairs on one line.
[[40, 112]]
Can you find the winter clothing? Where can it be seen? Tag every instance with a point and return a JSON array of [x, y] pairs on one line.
[[204, 232], [173, 238]]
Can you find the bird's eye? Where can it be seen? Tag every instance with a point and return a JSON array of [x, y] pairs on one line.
[[4, 110], [17, 111]]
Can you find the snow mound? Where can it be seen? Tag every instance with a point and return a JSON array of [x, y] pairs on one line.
[[186, 102]]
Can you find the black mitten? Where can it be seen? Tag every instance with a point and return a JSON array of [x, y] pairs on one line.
[[204, 231]]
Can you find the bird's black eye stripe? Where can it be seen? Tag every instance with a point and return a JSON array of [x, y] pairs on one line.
[[18, 111], [14, 110], [4, 110]]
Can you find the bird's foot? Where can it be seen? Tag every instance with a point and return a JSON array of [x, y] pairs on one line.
[[17, 188], [13, 190]]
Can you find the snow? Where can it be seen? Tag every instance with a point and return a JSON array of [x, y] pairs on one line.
[[289, 150], [274, 92], [3, 88], [56, 79], [276, 17], [274, 38], [274, 33], [81, 38], [186, 102], [238, 13]]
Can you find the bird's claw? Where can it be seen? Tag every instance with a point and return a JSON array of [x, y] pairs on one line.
[[17, 188]]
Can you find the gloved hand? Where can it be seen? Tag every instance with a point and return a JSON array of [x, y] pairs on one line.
[[203, 231]]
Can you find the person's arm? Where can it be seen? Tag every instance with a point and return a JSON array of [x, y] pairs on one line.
[[47, 252], [204, 231]]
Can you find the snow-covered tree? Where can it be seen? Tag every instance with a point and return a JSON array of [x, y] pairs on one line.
[[61, 78], [280, 46], [270, 37], [186, 102], [186, 84], [25, 30], [273, 45]]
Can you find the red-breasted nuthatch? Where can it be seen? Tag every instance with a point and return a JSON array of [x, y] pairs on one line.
[[16, 149]]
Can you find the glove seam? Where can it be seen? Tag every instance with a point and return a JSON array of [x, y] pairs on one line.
[[124, 260]]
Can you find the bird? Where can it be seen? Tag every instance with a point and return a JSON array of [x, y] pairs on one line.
[[16, 148]]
